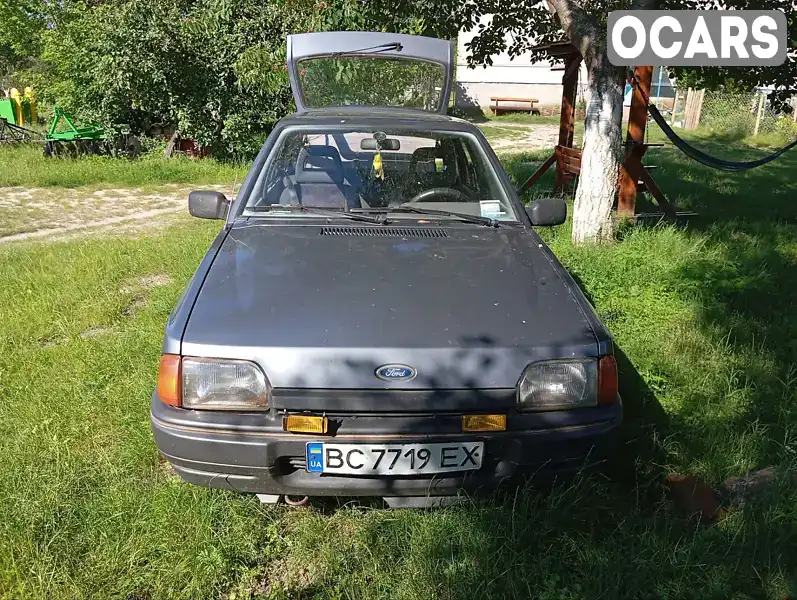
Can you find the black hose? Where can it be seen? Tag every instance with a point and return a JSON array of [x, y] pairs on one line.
[[699, 155]]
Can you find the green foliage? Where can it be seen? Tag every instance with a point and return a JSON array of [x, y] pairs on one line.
[[783, 78], [21, 23], [704, 324], [371, 81], [518, 26], [25, 166], [214, 69]]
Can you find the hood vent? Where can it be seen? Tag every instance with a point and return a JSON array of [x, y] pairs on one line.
[[382, 231]]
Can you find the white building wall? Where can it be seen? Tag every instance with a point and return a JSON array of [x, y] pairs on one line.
[[521, 77], [517, 77]]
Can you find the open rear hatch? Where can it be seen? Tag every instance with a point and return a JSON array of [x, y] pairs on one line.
[[354, 68]]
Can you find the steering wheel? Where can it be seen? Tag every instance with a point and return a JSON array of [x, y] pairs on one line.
[[427, 195]]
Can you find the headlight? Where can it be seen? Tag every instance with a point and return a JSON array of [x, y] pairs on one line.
[[559, 384], [217, 384]]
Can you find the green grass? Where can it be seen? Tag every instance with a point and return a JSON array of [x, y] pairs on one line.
[[495, 133], [704, 321], [478, 115], [26, 166], [523, 117]]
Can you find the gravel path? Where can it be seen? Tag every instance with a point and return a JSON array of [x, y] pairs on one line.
[[30, 213]]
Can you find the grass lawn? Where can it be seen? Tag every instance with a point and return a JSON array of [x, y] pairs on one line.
[[496, 133], [706, 328], [26, 166]]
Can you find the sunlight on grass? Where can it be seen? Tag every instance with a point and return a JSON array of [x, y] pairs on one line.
[[703, 320], [26, 166], [497, 133]]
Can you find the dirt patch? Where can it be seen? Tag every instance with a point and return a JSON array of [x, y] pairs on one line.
[[29, 213], [93, 332], [146, 282], [53, 340], [525, 139], [136, 304], [166, 469]]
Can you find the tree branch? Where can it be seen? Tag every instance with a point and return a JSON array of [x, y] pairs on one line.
[[580, 28]]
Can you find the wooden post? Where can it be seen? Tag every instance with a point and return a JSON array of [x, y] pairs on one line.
[[634, 140], [699, 110], [759, 114], [688, 107], [566, 125], [638, 115], [535, 177], [674, 107], [694, 106], [559, 176], [568, 114]]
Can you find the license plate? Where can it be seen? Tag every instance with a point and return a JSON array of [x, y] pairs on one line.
[[393, 459]]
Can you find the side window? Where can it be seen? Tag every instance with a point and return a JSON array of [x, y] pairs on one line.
[[282, 164], [474, 176]]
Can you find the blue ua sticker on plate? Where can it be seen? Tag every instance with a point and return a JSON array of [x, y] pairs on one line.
[[315, 457]]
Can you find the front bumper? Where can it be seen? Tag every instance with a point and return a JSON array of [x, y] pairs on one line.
[[249, 452]]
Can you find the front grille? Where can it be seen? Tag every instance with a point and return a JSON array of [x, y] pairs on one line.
[[397, 402], [382, 231]]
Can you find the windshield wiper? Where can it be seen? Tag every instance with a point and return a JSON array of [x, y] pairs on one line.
[[447, 213], [392, 46], [278, 208]]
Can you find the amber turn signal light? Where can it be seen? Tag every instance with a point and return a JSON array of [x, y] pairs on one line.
[[169, 380], [607, 380], [483, 422], [305, 424]]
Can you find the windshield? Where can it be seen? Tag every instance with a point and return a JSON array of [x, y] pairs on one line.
[[371, 171]]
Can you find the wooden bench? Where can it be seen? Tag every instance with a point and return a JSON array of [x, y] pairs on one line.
[[530, 101]]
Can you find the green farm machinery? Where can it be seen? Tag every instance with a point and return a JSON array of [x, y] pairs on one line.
[[14, 111], [63, 137]]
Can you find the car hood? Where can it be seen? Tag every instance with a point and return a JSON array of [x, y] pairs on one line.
[[323, 306]]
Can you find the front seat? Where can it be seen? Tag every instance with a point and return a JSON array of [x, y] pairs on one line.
[[423, 167], [319, 181]]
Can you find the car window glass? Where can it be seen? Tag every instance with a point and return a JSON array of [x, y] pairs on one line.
[[371, 81], [349, 169]]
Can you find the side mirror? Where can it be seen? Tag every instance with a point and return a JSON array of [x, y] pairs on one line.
[[206, 204], [547, 211]]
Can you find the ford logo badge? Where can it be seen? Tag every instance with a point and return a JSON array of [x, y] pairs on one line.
[[395, 372]]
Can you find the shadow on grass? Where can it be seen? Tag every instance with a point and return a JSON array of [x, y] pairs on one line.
[[743, 281], [592, 536], [731, 410]]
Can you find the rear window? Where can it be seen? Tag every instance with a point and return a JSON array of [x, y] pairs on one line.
[[370, 81], [351, 169]]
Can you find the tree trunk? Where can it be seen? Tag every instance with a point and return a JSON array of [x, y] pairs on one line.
[[602, 152]]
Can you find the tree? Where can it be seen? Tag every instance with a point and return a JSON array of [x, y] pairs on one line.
[[783, 78], [215, 69], [528, 23]]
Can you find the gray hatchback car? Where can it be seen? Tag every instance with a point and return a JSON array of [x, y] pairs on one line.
[[378, 316]]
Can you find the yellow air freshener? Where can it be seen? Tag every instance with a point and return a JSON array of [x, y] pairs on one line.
[[379, 172]]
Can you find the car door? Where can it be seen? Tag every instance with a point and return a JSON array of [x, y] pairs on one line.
[[356, 68]]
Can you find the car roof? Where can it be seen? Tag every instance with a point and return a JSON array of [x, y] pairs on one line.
[[381, 117]]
